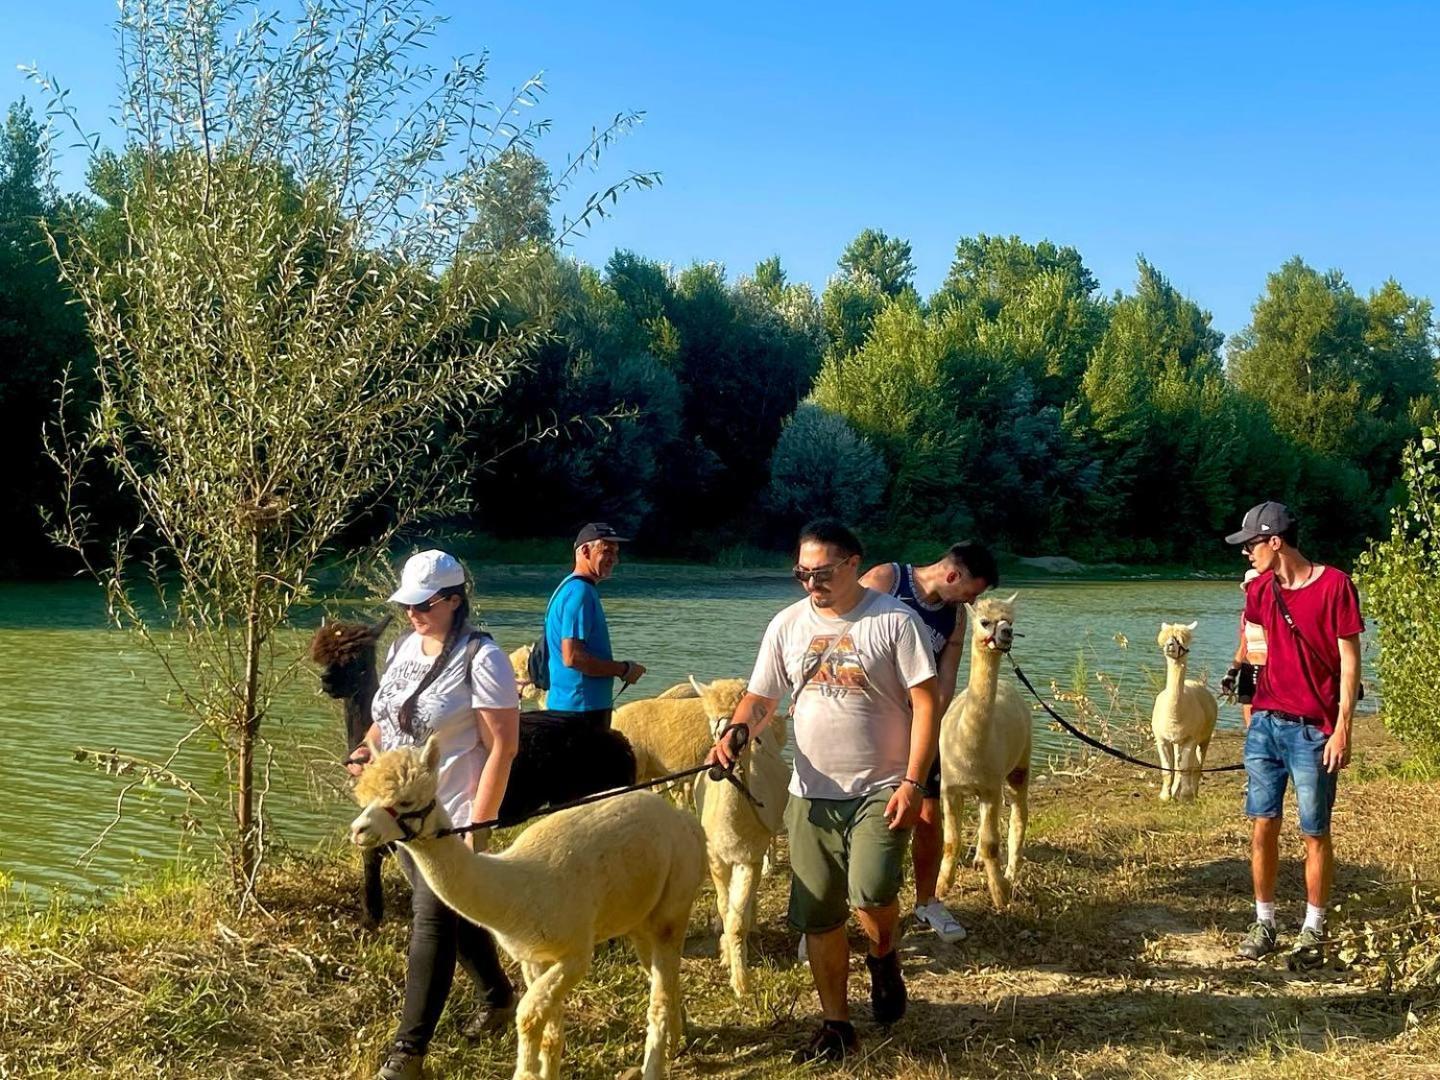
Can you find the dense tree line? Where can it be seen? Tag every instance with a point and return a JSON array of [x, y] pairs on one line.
[[695, 410]]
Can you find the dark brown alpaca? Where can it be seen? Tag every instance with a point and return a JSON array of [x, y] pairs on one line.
[[345, 653]]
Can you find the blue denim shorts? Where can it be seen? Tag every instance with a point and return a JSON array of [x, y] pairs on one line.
[[1277, 750]]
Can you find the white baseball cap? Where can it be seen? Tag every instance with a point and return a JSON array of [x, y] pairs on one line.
[[425, 574]]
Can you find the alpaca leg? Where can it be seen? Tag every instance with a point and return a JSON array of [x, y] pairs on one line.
[[1167, 762], [737, 927], [988, 846], [372, 900], [664, 1004], [953, 803], [1019, 818], [1202, 751], [538, 1018], [720, 877]]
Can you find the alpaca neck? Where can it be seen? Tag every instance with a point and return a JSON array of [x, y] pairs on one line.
[[482, 888], [1174, 684], [980, 691]]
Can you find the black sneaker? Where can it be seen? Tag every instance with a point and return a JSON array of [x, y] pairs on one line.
[[1308, 952], [887, 987], [490, 1020], [1259, 942], [833, 1040], [404, 1063]]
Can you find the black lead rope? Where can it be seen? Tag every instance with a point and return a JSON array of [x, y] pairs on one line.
[[717, 772], [1096, 743]]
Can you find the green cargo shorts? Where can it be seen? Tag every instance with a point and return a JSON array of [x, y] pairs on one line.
[[842, 850]]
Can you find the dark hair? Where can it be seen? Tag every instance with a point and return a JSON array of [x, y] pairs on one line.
[[831, 534], [406, 715], [976, 560], [1291, 535]]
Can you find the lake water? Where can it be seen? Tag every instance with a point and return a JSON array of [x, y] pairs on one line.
[[67, 681]]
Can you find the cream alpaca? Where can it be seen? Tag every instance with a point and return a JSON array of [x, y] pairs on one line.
[[984, 748], [1183, 719], [630, 865], [520, 664], [738, 833], [670, 733]]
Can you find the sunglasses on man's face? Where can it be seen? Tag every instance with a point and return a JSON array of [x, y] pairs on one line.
[[819, 575], [1251, 545], [424, 605]]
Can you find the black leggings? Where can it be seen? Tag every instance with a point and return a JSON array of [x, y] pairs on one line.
[[437, 937]]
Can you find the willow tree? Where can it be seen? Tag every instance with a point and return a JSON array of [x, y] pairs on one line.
[[290, 324]]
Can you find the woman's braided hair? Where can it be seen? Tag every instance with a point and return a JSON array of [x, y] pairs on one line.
[[459, 625]]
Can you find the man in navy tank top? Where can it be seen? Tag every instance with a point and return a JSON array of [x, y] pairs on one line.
[[937, 593]]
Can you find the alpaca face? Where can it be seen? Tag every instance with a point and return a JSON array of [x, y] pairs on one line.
[[722, 697], [395, 786], [1174, 639], [993, 623], [520, 664]]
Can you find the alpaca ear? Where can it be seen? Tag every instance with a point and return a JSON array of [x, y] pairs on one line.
[[372, 747], [969, 607], [430, 755], [1192, 625], [1010, 599], [699, 686]]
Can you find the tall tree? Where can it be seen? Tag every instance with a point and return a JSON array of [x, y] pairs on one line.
[[884, 260]]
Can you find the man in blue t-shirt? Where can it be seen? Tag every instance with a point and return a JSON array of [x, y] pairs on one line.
[[582, 667]]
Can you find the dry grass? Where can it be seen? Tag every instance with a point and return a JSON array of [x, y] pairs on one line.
[[1114, 961]]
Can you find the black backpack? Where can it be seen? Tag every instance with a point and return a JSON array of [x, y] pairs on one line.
[[538, 666]]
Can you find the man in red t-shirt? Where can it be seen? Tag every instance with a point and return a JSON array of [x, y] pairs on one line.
[[1300, 724]]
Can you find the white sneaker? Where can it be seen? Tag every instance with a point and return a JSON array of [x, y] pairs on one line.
[[937, 917]]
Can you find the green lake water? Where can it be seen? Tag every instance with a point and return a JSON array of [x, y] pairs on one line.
[[67, 681]]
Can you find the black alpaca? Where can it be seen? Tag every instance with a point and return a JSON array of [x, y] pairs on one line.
[[555, 762]]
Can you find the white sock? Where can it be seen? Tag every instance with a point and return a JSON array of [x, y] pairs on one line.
[[1265, 912], [1315, 918]]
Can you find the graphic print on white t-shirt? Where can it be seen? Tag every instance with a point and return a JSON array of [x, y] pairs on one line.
[[842, 670]]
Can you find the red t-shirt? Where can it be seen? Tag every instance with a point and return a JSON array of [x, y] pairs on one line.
[[1304, 679]]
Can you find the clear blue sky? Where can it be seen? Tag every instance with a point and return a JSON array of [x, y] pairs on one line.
[[1218, 139]]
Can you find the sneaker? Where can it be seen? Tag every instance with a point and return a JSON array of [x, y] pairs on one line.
[[937, 917], [1308, 952], [404, 1063], [887, 987], [833, 1040], [1259, 942], [490, 1020]]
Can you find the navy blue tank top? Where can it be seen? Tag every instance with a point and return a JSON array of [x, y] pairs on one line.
[[939, 620]]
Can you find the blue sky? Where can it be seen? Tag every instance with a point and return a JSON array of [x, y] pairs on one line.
[[1217, 139]]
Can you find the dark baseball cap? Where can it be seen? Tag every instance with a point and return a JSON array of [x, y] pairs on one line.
[[1266, 519], [598, 530]]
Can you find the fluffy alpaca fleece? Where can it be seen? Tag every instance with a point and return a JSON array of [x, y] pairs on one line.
[[628, 866], [557, 762], [1183, 719], [984, 750], [738, 834], [529, 692], [670, 733]]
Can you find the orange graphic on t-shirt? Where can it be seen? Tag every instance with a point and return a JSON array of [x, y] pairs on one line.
[[841, 668]]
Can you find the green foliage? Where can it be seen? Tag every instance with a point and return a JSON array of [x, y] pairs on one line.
[[1400, 576], [881, 260], [822, 468]]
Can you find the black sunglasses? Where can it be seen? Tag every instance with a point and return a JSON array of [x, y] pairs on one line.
[[820, 575], [424, 605], [1251, 545]]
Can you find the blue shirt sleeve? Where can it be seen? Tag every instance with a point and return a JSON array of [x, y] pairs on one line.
[[575, 612]]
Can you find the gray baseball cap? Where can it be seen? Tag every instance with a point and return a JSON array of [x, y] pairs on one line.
[[1266, 519]]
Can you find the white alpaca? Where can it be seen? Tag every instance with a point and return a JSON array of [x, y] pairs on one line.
[[738, 833], [670, 733], [1183, 719], [630, 865], [520, 664], [985, 748]]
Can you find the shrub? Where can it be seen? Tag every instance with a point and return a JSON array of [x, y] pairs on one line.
[[1401, 579], [822, 468]]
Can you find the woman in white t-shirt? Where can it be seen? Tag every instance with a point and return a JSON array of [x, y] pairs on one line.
[[448, 681]]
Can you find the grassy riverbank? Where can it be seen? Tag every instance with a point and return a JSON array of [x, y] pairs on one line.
[[1114, 961]]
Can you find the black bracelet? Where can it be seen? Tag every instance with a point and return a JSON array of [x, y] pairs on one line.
[[923, 789]]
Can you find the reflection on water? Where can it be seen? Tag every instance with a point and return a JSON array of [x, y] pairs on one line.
[[66, 681]]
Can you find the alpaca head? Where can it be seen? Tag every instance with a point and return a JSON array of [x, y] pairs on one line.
[[346, 655], [520, 664], [720, 700], [397, 791], [1174, 639], [992, 624]]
